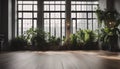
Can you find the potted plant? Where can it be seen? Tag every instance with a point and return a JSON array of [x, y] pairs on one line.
[[110, 32], [18, 43]]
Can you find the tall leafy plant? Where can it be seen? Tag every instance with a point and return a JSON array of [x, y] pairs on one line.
[[110, 33]]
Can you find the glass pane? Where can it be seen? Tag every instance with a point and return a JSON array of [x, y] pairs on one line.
[[55, 15], [62, 2], [27, 15], [84, 2], [83, 7], [62, 7], [27, 24], [35, 8], [46, 2], [82, 23], [95, 7], [81, 15], [95, 24], [57, 7], [35, 15], [63, 15], [78, 7], [46, 15], [90, 25], [19, 15], [57, 2], [52, 7], [78, 2], [46, 7], [51, 2], [89, 8], [35, 24], [94, 15], [74, 26], [19, 2], [73, 8], [27, 2], [46, 25], [52, 27], [27, 7], [35, 2], [63, 27], [95, 2], [73, 15], [19, 26], [57, 25], [73, 2], [89, 2], [89, 15], [20, 7]]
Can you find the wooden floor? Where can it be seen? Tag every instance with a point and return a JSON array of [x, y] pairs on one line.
[[60, 60]]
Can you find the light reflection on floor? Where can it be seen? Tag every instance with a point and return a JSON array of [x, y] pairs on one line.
[[60, 60]]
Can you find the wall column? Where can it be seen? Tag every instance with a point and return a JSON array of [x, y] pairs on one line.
[[68, 18]]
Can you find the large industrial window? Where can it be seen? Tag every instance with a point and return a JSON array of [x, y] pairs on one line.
[[27, 15], [83, 15], [54, 18]]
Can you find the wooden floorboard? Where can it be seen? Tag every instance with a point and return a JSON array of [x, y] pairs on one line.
[[60, 60]]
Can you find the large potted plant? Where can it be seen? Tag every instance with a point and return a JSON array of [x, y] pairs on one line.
[[110, 32]]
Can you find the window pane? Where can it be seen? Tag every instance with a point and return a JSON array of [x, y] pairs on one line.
[[27, 15], [35, 15], [27, 24], [95, 7], [19, 2], [74, 26], [63, 15], [56, 16], [90, 25], [89, 15], [57, 2], [19, 26], [35, 23], [73, 15], [51, 2], [83, 7], [46, 15], [27, 2], [78, 7], [57, 7], [46, 2], [52, 7], [89, 8], [73, 8], [26, 11], [27, 7], [20, 7], [35, 8], [94, 15], [20, 15], [46, 25], [46, 7], [62, 7], [81, 15]]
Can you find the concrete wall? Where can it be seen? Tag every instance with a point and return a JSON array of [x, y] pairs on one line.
[[117, 5], [103, 4], [0, 16], [6, 19]]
